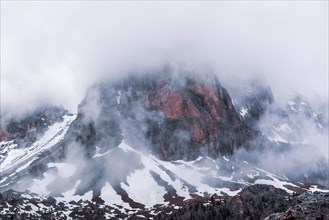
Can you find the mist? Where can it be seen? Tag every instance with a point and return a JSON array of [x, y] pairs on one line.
[[51, 52]]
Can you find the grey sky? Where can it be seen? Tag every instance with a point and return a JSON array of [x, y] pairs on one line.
[[53, 50]]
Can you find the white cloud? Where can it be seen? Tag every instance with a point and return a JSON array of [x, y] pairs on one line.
[[54, 50]]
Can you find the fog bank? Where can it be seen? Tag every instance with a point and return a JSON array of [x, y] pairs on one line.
[[53, 51]]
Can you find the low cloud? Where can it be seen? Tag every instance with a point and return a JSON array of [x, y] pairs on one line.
[[53, 51]]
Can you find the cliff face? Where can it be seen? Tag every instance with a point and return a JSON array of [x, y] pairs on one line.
[[26, 130], [176, 118]]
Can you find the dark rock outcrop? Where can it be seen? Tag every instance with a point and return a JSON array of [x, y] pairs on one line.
[[306, 206], [253, 202], [257, 202], [253, 100]]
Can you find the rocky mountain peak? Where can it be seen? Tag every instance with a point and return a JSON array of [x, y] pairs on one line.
[[148, 140], [177, 118]]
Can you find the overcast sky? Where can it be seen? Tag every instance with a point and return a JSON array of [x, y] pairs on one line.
[[53, 50]]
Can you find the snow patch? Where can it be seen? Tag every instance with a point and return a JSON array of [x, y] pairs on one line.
[[314, 188], [284, 127], [150, 195], [275, 181], [109, 195], [277, 138], [243, 111]]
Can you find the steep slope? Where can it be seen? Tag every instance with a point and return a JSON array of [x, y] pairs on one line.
[[25, 130], [125, 177], [176, 118], [294, 136], [253, 100], [18, 160]]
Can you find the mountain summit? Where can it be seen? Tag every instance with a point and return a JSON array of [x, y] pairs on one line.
[[176, 118]]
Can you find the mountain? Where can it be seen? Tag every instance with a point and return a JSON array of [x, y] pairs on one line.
[[155, 142], [174, 118]]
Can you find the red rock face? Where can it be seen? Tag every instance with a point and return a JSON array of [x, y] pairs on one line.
[[175, 105], [203, 109], [3, 134], [171, 103], [192, 110], [197, 133], [176, 118], [208, 92], [178, 105]]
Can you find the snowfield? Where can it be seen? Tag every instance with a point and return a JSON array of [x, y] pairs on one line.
[[149, 185]]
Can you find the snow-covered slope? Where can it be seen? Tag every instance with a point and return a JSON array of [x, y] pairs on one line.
[[15, 159], [130, 178], [150, 181]]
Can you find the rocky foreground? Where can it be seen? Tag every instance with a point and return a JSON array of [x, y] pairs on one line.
[[254, 202]]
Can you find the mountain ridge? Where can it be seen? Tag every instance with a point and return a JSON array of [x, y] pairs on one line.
[[168, 137]]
